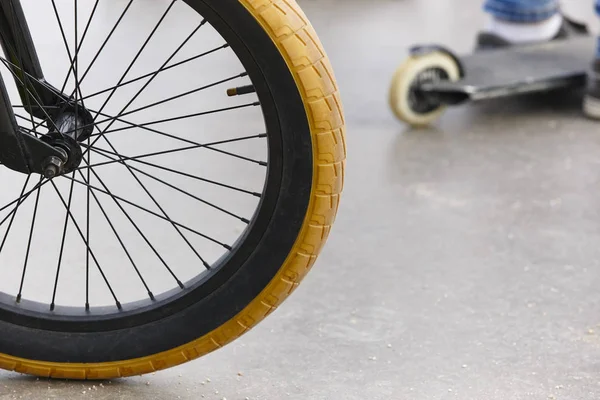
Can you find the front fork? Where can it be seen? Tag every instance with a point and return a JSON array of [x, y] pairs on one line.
[[21, 151]]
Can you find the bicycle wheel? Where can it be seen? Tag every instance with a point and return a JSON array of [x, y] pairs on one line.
[[205, 191]]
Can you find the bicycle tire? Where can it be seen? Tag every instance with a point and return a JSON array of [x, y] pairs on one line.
[[283, 43]]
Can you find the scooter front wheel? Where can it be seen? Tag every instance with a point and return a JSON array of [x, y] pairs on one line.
[[406, 101]]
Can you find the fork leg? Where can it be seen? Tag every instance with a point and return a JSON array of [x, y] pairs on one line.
[[20, 151], [13, 153], [19, 49]]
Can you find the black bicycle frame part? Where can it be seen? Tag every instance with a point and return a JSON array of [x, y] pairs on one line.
[[20, 150]]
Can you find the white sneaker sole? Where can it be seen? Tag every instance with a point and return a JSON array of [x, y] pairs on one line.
[[591, 107]]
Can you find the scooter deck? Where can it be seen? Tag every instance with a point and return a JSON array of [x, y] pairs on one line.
[[517, 70]]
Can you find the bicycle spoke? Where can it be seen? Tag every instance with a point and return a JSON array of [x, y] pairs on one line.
[[120, 199], [18, 79], [182, 117], [75, 63], [112, 227], [31, 131], [141, 90], [26, 119], [243, 74], [87, 235], [117, 302], [139, 53], [21, 198], [112, 31], [35, 210], [115, 199], [138, 158], [62, 244], [139, 78], [41, 82], [209, 147], [13, 213], [181, 173], [122, 162], [65, 41], [178, 150], [118, 118], [151, 78], [28, 96], [193, 115], [78, 45], [35, 125], [131, 169], [62, 32], [46, 107], [42, 124]]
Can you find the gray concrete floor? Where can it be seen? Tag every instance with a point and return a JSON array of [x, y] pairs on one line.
[[464, 264]]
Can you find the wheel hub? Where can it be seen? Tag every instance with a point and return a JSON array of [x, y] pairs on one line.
[[424, 103], [68, 129]]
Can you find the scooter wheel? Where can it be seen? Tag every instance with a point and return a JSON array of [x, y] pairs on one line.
[[408, 103]]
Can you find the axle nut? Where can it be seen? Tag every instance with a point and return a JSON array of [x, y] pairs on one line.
[[53, 167]]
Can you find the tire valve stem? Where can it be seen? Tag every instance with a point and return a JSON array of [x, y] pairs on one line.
[[238, 91]]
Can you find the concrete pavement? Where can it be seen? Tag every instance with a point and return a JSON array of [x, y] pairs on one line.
[[465, 260]]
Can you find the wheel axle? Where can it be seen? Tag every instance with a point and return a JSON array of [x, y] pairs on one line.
[[53, 167]]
